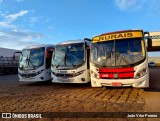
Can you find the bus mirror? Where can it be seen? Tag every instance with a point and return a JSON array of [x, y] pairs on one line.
[[149, 41], [146, 33], [14, 57], [87, 39]]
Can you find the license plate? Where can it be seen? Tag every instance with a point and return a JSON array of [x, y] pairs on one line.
[[116, 84], [27, 78], [63, 72], [26, 72], [62, 79]]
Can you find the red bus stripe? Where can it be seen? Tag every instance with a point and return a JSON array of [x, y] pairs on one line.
[[116, 70], [120, 75]]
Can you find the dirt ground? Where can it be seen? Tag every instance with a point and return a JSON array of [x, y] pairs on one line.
[[50, 97]]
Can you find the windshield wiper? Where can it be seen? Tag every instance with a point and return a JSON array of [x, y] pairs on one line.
[[124, 59], [61, 61], [123, 56], [115, 58], [59, 64], [65, 60], [105, 61], [29, 60], [20, 61]]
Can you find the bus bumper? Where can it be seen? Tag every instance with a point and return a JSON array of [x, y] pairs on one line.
[[142, 82], [77, 79], [32, 79]]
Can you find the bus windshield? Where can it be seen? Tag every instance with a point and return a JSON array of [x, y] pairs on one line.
[[117, 53], [32, 58], [68, 56]]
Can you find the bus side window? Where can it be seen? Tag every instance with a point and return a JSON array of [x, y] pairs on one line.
[[48, 58]]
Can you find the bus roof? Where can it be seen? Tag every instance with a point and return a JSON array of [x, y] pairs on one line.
[[70, 42], [37, 46], [122, 31]]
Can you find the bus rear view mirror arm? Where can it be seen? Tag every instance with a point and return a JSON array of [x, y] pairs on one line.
[[15, 53], [87, 39]]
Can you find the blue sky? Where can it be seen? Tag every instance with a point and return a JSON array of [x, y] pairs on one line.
[[29, 22]]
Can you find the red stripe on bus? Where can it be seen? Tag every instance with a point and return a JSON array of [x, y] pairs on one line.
[[116, 70], [120, 75]]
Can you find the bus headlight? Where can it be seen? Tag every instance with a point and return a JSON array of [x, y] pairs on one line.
[[94, 74], [79, 73], [54, 73], [141, 73], [39, 72]]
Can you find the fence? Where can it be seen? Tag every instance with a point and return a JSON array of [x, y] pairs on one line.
[[8, 65]]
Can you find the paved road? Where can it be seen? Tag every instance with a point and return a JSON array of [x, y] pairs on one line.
[[152, 95], [48, 97]]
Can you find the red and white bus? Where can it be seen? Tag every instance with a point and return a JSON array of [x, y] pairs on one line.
[[119, 59]]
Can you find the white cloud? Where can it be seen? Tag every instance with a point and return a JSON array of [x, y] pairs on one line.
[[148, 8], [9, 19], [2, 14], [34, 19], [13, 17], [5, 24], [131, 5], [19, 40], [16, 37]]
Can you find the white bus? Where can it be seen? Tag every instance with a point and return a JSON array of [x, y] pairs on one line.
[[35, 63], [119, 59], [70, 62]]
